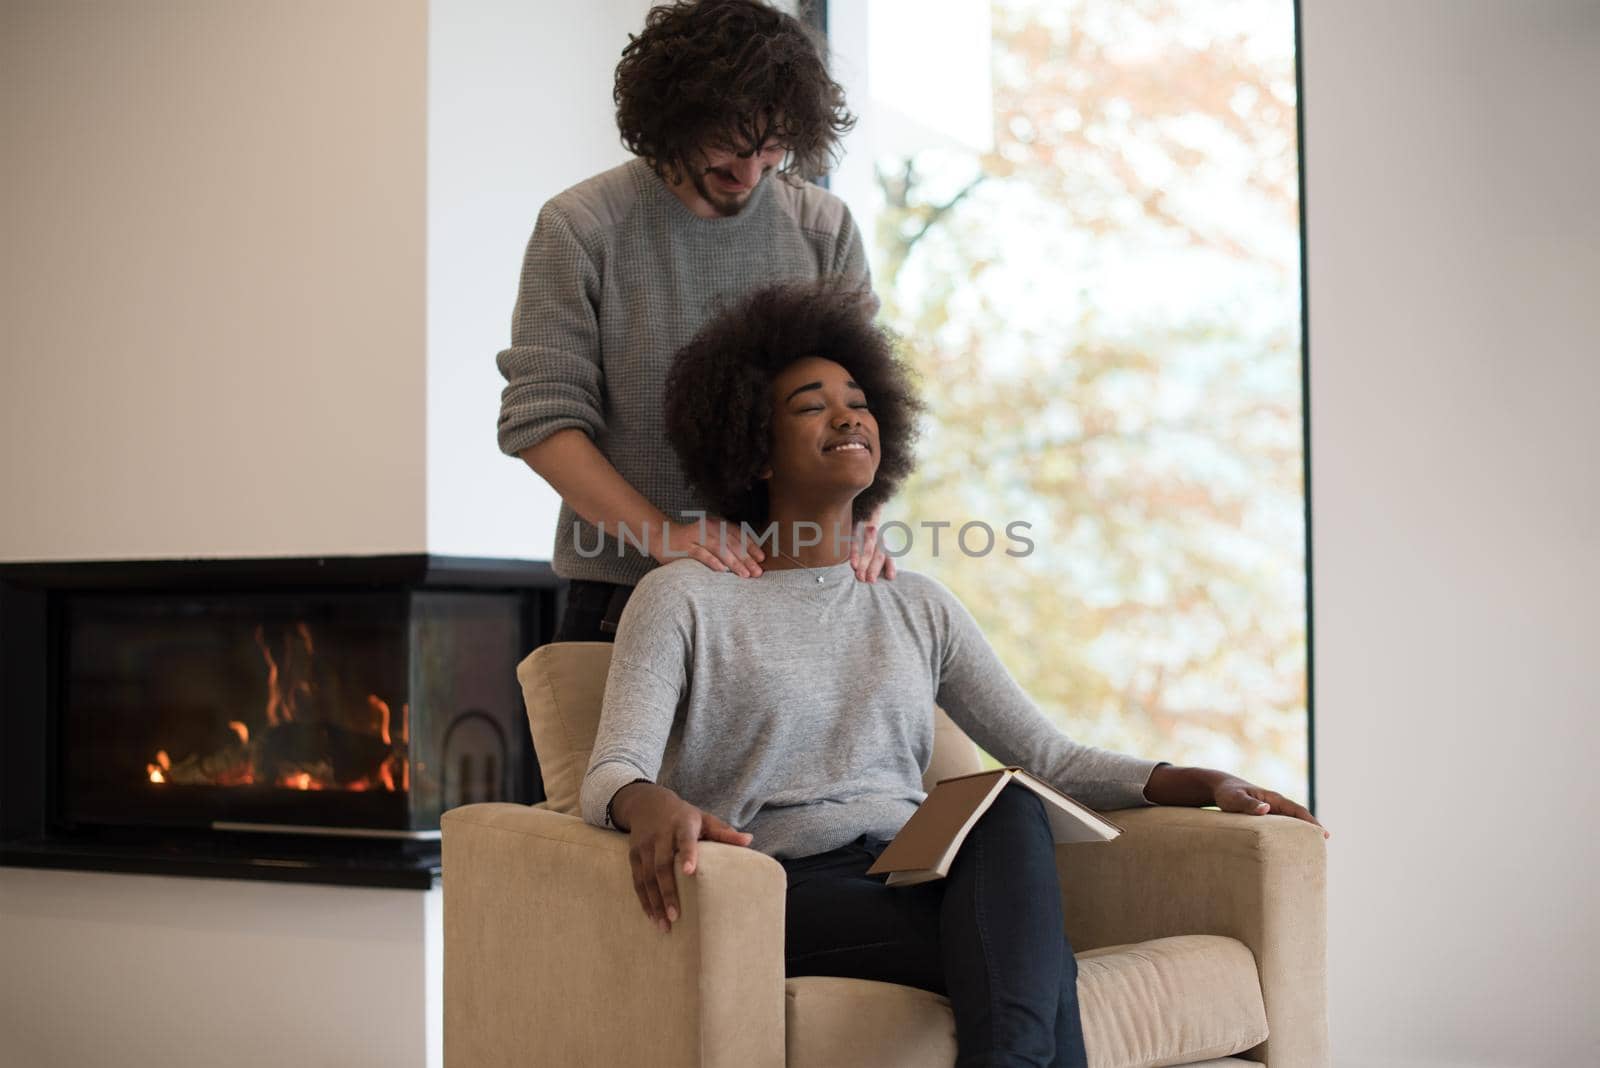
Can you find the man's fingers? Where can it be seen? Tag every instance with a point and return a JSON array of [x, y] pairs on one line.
[[727, 543], [725, 547], [730, 556], [701, 553], [866, 562]]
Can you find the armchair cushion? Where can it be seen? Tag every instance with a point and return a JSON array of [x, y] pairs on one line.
[[563, 686], [1164, 1002]]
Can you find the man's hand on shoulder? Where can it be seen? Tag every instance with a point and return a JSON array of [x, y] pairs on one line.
[[867, 555], [715, 542]]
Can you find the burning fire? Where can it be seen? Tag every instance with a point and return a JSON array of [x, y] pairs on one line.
[[306, 744]]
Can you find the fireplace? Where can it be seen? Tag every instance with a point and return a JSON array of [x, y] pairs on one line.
[[283, 716]]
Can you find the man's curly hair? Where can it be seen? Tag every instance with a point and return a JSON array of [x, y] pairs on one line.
[[729, 74], [719, 391]]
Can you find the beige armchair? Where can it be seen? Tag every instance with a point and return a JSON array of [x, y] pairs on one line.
[[1200, 935]]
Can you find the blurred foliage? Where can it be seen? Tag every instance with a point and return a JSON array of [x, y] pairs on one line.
[[1105, 311]]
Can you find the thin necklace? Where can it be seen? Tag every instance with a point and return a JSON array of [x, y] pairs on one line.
[[803, 567]]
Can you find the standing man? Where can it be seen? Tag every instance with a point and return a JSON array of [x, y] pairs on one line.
[[727, 106]]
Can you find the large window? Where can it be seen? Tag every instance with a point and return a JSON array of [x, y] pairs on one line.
[[1082, 216]]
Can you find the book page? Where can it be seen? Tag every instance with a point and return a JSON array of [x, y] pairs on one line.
[[1070, 820], [935, 830]]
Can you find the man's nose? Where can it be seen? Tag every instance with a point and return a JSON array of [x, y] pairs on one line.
[[747, 171]]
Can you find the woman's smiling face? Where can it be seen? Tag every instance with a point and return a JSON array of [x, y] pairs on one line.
[[824, 437]]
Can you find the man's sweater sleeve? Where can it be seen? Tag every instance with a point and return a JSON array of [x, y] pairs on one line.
[[552, 369], [849, 254], [982, 698], [644, 688], [850, 258]]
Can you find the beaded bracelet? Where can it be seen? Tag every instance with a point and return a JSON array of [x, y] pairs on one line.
[[609, 821]]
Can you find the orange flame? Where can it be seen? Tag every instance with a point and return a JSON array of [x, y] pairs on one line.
[[273, 698], [382, 708], [288, 682]]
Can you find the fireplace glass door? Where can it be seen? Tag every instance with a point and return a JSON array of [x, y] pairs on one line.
[[348, 710]]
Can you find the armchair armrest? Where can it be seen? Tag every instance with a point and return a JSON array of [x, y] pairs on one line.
[[1259, 879], [548, 957]]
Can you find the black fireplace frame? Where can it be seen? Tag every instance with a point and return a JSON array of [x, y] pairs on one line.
[[31, 631]]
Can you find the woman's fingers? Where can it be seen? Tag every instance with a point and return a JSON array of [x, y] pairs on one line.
[[1255, 801], [1286, 807], [716, 830], [1236, 797], [666, 880], [644, 885]]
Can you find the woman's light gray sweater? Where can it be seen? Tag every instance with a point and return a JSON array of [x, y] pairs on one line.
[[802, 712]]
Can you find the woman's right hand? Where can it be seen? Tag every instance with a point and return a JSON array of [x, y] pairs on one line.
[[660, 826], [717, 543]]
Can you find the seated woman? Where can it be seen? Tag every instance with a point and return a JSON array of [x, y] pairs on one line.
[[794, 712]]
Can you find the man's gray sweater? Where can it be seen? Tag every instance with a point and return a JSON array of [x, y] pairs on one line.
[[802, 712], [619, 275]]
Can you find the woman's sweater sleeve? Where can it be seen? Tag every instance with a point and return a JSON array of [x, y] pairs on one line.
[[644, 688], [982, 698]]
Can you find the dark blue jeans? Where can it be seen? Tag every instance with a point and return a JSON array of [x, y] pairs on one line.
[[988, 936]]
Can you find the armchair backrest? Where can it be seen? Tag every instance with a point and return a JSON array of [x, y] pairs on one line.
[[564, 684]]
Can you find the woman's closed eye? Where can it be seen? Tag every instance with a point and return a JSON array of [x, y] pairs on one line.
[[861, 406]]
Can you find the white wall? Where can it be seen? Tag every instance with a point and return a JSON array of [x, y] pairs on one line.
[[257, 261], [519, 108], [213, 281], [139, 970], [1454, 243]]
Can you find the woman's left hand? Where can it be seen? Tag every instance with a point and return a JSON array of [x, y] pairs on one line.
[[866, 555], [1171, 785], [1233, 794]]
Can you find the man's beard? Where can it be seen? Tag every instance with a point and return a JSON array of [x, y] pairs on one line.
[[725, 204]]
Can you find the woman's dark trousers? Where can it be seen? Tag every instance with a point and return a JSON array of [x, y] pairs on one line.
[[988, 936]]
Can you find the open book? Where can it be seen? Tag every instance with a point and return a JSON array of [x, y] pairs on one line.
[[927, 845]]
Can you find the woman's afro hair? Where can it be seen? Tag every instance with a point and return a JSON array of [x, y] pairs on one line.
[[719, 391]]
